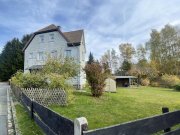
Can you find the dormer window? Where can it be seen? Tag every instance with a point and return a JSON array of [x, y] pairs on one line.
[[51, 37], [41, 38]]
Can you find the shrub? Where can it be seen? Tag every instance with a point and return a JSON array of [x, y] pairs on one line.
[[169, 80], [65, 67], [34, 80], [27, 80], [96, 78], [177, 87], [17, 78], [54, 75], [155, 84], [145, 82], [56, 81]]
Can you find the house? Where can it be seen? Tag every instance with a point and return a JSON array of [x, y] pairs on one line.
[[125, 81], [52, 41]]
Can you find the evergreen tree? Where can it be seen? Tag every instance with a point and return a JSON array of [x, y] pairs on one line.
[[126, 66], [12, 57], [91, 58]]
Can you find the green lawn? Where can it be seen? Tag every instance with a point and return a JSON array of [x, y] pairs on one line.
[[125, 105], [25, 124]]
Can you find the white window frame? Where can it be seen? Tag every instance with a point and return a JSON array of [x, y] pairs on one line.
[[68, 53], [51, 37], [54, 54], [40, 57], [41, 38]]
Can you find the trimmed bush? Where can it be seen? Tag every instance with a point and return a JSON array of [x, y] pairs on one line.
[[170, 80], [145, 82]]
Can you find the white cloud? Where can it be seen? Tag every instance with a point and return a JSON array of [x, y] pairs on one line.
[[106, 23]]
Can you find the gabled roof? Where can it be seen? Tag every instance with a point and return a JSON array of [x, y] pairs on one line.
[[48, 28], [73, 38]]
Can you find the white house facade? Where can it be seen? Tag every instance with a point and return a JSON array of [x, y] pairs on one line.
[[52, 41]]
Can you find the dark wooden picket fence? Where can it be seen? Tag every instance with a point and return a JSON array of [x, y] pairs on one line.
[[49, 121], [145, 126]]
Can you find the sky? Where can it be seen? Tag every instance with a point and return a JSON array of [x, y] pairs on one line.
[[106, 23]]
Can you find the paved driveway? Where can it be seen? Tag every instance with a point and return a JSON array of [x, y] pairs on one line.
[[3, 108]]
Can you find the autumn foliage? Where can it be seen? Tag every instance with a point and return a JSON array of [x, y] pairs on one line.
[[96, 78]]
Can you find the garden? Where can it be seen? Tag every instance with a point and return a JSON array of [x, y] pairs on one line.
[[101, 108], [126, 105]]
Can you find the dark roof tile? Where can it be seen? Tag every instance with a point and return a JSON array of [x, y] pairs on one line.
[[71, 37], [74, 36]]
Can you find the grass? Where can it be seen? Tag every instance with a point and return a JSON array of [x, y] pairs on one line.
[[125, 105], [25, 124]]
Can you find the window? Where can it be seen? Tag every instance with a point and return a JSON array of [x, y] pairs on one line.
[[51, 37], [30, 55], [54, 54], [40, 56], [68, 53], [41, 38]]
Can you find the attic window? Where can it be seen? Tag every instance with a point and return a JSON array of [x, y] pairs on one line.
[[51, 37], [41, 38]]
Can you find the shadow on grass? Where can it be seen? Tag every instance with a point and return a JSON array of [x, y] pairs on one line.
[[172, 90], [84, 93]]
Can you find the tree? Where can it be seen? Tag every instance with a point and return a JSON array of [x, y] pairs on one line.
[[96, 78], [164, 48], [141, 52], [126, 66], [12, 58], [110, 60], [91, 58], [126, 51]]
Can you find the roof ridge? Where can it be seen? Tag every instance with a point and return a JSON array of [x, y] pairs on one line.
[[73, 30]]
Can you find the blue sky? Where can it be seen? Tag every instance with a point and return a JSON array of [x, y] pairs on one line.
[[107, 23]]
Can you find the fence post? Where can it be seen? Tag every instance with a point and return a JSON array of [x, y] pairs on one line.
[[32, 112], [80, 125], [166, 110]]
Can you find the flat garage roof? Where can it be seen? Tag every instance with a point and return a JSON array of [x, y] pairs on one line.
[[121, 77]]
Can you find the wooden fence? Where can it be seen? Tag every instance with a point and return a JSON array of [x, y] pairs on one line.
[[45, 97], [53, 124], [145, 126], [49, 121]]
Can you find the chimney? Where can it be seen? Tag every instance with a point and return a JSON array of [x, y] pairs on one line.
[[59, 27]]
